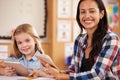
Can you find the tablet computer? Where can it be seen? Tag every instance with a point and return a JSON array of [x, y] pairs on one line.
[[20, 69]]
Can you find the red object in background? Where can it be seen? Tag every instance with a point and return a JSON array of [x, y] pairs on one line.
[[12, 31], [115, 18]]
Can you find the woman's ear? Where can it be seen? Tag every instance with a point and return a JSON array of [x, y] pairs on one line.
[[101, 14]]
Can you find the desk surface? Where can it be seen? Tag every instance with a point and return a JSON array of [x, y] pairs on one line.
[[22, 78]]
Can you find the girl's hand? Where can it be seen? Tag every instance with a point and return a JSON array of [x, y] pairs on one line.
[[9, 71], [2, 64], [38, 73]]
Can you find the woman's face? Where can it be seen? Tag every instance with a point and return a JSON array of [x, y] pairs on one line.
[[89, 14], [25, 43]]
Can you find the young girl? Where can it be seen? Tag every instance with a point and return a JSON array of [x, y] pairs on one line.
[[26, 44], [97, 52]]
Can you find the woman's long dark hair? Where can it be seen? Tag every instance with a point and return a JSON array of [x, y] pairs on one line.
[[100, 32]]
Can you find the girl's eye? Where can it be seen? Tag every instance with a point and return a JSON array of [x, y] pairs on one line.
[[19, 43], [27, 40]]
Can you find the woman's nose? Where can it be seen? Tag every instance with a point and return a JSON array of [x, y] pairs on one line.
[[87, 14]]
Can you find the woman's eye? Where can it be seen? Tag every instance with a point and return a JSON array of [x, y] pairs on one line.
[[82, 12], [92, 11]]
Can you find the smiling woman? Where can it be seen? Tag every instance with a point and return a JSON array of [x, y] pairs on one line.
[[15, 12]]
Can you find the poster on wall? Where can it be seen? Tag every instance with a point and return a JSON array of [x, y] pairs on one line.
[[64, 31], [64, 8], [112, 7]]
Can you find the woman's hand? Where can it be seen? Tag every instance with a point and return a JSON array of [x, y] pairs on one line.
[[56, 73], [62, 76], [9, 71], [51, 70], [38, 73], [47, 60]]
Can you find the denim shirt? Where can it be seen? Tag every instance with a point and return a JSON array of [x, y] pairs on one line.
[[33, 62]]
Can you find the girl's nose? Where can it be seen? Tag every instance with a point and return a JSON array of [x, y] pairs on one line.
[[24, 44]]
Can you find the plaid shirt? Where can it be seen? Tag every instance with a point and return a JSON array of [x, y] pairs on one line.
[[107, 63]]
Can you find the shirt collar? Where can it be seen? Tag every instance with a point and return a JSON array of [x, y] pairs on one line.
[[83, 40], [33, 57]]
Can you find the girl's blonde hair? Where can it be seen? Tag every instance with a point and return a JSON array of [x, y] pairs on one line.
[[25, 28]]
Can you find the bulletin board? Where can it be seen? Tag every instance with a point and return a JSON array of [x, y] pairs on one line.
[[16, 12], [112, 7]]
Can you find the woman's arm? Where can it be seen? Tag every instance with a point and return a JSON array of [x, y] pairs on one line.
[[47, 60]]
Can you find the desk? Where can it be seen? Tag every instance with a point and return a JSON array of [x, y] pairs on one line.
[[23, 78]]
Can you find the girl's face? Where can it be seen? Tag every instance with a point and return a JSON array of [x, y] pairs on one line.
[[89, 14], [25, 43]]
